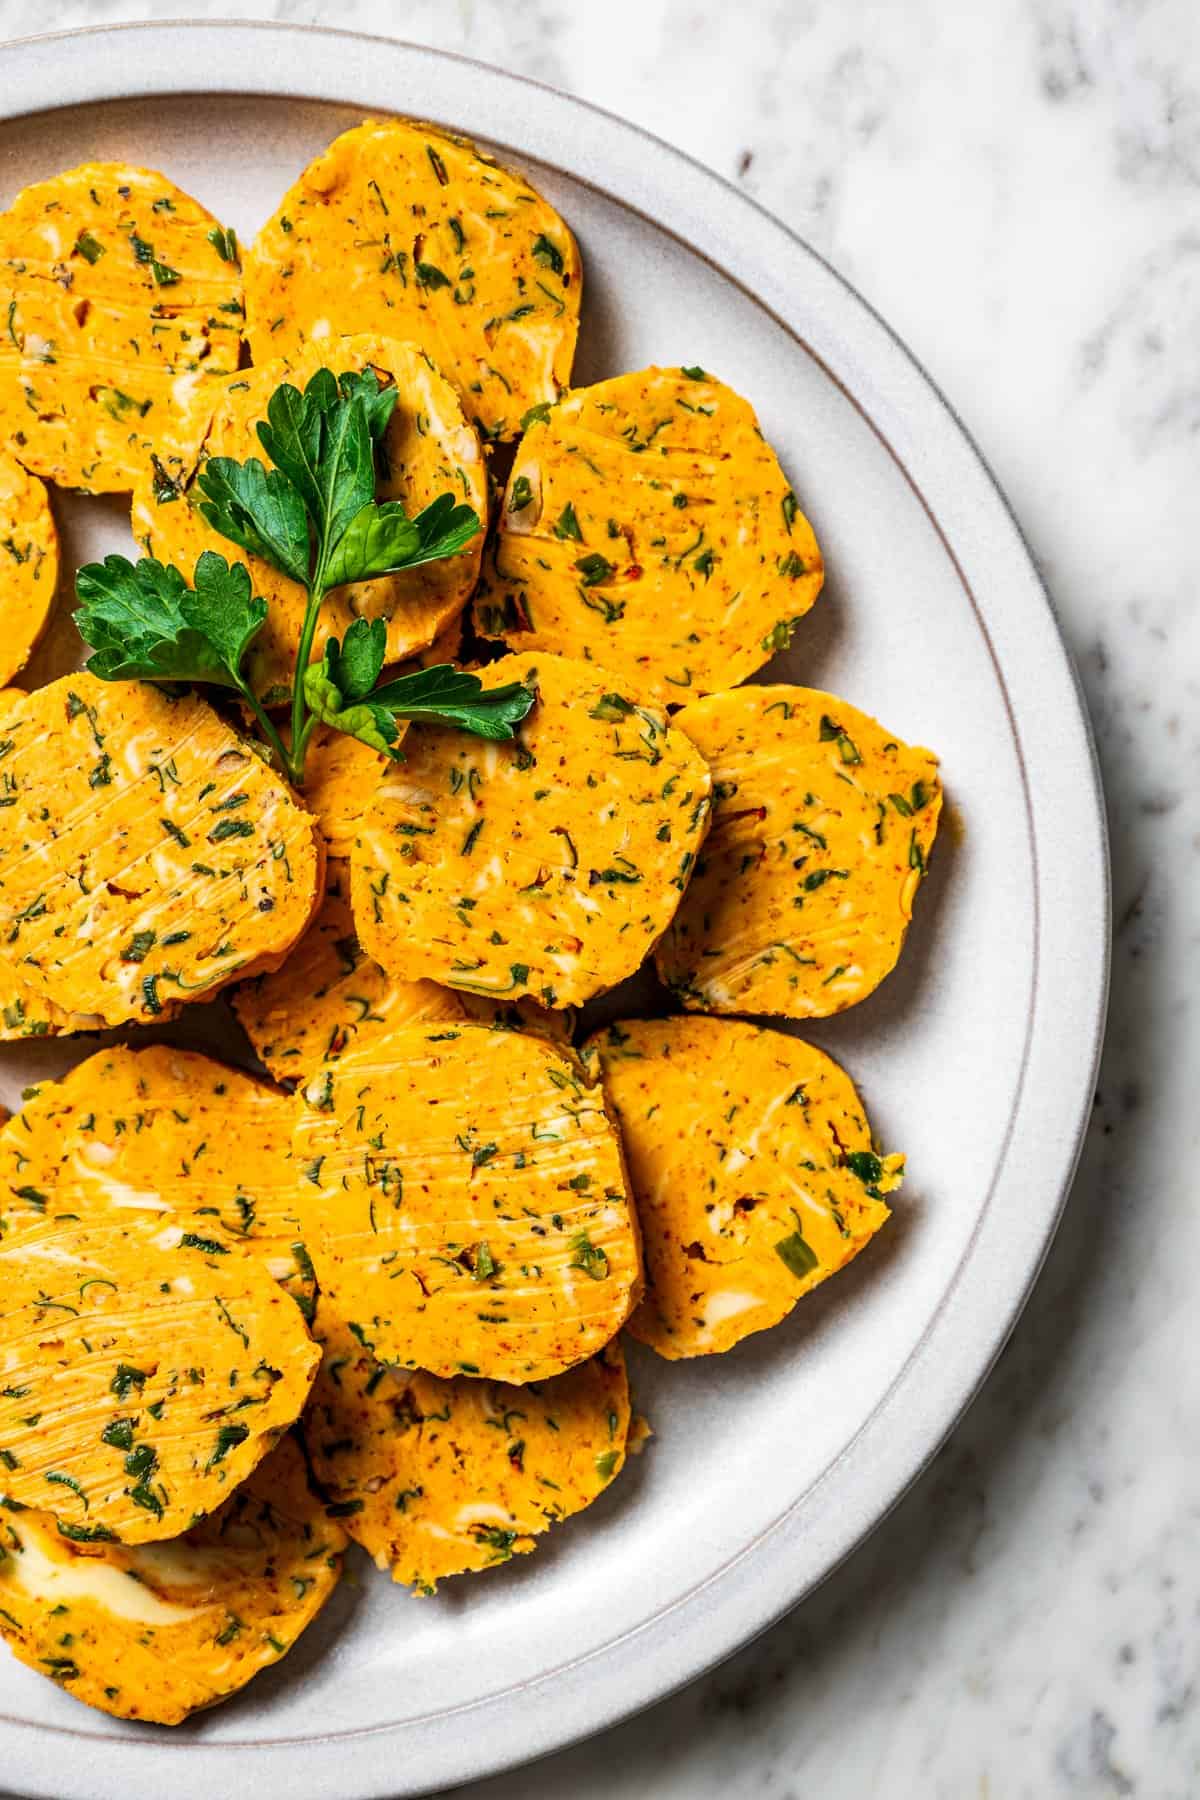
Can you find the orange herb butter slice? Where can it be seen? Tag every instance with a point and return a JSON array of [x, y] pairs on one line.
[[26, 1014], [465, 1203], [330, 994], [823, 824], [166, 1135], [23, 1013], [440, 1477], [121, 295], [546, 867], [148, 854], [648, 526], [406, 229], [28, 564], [145, 1369], [158, 1631], [340, 776], [753, 1171]]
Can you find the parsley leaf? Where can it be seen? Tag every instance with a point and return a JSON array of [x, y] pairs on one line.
[[144, 622], [378, 398], [371, 725], [445, 695], [257, 509], [438, 696], [323, 443], [354, 667], [336, 687], [382, 538]]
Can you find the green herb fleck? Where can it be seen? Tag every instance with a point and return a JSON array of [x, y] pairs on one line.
[[228, 1438], [548, 254], [88, 247], [127, 1380], [594, 569], [588, 1257], [796, 1255]]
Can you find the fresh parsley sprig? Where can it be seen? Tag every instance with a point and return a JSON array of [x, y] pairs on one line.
[[145, 623], [313, 516], [340, 691]]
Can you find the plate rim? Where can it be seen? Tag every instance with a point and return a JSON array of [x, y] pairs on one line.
[[1068, 843]]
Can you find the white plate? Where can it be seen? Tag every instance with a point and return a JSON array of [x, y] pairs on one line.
[[976, 1058]]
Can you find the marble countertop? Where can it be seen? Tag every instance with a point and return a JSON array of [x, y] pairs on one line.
[[1015, 186]]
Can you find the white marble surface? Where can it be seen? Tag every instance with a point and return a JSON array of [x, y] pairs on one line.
[[1015, 184]]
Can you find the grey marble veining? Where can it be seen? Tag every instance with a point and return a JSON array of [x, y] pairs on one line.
[[1016, 186]]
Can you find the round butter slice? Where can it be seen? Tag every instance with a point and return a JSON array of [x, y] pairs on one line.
[[145, 1369], [121, 296], [403, 228], [546, 867], [161, 1134], [465, 1203], [648, 526], [752, 1168], [28, 564], [26, 1014], [148, 854], [158, 1631], [823, 824], [340, 775], [441, 1477]]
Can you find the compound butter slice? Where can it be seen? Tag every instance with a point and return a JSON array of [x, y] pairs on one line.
[[546, 867], [406, 229], [752, 1167], [465, 1203], [121, 295], [148, 855], [158, 1631], [162, 1134], [648, 526], [341, 774], [440, 1477], [145, 1369], [823, 824], [23, 1013], [28, 564], [330, 994]]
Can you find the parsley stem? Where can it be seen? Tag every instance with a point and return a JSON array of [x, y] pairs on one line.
[[310, 725], [316, 593], [267, 727]]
